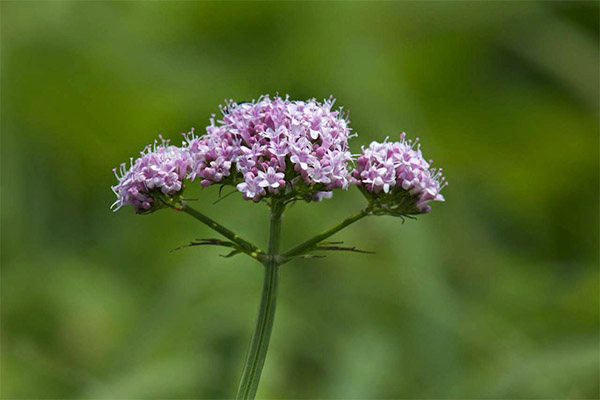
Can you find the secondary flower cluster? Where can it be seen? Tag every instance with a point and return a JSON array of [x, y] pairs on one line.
[[398, 178], [274, 145], [289, 149], [161, 168]]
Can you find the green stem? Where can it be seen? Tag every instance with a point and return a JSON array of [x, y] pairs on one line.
[[312, 242], [246, 246], [259, 344]]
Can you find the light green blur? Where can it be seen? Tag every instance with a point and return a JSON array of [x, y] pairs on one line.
[[492, 295]]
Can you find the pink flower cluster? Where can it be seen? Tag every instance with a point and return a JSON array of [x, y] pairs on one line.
[[161, 168], [283, 148], [273, 145], [397, 175]]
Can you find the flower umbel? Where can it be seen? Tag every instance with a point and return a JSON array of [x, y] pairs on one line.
[[279, 151], [159, 171], [287, 148], [396, 179]]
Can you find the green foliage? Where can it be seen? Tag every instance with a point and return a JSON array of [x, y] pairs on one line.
[[492, 295]]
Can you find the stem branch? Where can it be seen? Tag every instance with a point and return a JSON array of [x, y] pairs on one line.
[[312, 242], [245, 245]]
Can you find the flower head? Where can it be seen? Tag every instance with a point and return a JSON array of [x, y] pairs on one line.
[[395, 177], [289, 150], [159, 171], [275, 144]]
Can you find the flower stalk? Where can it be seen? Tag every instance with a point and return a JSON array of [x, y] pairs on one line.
[[244, 245], [312, 243], [259, 344]]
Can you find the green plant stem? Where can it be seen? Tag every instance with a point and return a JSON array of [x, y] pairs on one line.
[[312, 242], [259, 344], [245, 245]]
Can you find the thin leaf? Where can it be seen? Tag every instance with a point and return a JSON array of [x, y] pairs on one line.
[[209, 242], [231, 254], [339, 248]]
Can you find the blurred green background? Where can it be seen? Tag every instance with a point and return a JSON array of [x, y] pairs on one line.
[[492, 295]]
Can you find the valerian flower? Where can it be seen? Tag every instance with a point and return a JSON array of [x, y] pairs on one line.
[[279, 151], [251, 188], [271, 180], [396, 179], [286, 147], [158, 172]]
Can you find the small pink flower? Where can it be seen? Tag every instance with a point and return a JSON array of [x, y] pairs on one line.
[[250, 188], [271, 179]]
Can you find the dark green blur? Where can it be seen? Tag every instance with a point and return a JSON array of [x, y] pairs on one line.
[[492, 295]]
